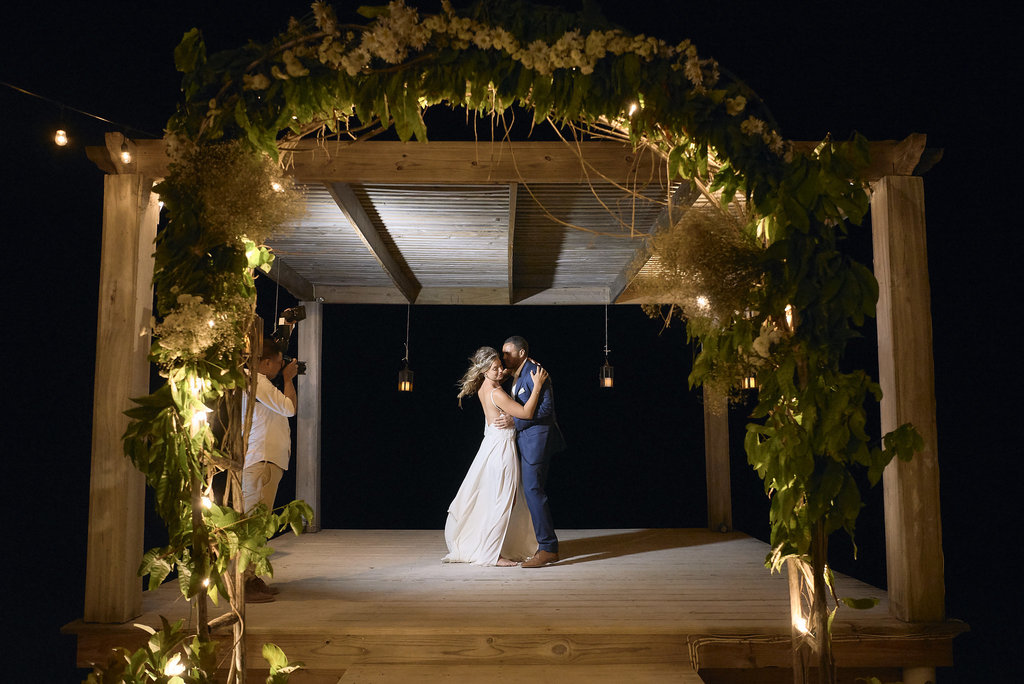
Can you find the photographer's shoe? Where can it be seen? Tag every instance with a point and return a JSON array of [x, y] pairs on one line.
[[262, 586], [253, 593]]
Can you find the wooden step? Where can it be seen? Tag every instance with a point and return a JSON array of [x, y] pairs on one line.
[[535, 674]]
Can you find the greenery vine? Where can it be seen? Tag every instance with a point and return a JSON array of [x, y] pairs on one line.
[[789, 302]]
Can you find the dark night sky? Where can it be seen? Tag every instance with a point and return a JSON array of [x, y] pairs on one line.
[[884, 69]]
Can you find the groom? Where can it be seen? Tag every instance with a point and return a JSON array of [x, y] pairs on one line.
[[537, 440]]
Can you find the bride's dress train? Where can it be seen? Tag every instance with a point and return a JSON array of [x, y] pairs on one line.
[[488, 517]]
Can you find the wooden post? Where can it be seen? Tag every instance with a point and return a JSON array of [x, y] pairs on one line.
[[913, 529], [716, 459], [113, 590], [307, 459]]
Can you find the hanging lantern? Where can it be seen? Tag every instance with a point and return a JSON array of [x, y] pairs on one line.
[[607, 377], [405, 380], [405, 375]]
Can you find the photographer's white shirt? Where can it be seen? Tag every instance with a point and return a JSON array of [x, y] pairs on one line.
[[269, 439]]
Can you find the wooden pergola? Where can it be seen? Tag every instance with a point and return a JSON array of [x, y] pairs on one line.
[[482, 223]]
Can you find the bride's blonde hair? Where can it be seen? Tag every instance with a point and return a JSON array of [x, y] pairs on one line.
[[479, 362]]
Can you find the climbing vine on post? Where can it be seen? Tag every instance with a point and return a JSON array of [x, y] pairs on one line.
[[790, 313]]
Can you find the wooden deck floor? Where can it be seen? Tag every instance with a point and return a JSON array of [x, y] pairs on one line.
[[622, 605]]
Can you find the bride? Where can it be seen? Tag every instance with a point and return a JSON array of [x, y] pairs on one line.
[[488, 521]]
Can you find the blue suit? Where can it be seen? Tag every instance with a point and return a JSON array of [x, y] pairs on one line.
[[537, 440]]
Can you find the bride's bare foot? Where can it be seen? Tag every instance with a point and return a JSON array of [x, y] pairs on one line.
[[506, 563]]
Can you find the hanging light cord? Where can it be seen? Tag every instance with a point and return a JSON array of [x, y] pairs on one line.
[[606, 350], [80, 111], [408, 315], [277, 296]]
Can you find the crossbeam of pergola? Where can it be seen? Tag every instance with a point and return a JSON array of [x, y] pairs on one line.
[[130, 215]]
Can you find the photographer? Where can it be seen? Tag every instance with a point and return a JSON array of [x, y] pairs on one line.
[[269, 447]]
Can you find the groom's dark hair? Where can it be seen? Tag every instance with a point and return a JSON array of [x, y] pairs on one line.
[[519, 343]]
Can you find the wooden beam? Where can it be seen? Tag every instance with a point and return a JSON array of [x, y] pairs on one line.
[[113, 592], [473, 296], [496, 163], [290, 279], [343, 294], [716, 460], [357, 216], [470, 162], [682, 199], [913, 529], [310, 392], [887, 157], [513, 191]]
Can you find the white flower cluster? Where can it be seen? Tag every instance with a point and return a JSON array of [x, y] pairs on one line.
[[399, 30], [769, 335], [392, 36], [190, 328], [755, 127]]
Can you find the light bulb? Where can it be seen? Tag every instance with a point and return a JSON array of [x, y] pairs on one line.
[[126, 155], [174, 666], [60, 137]]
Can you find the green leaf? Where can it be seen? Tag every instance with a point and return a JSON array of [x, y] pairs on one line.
[[190, 53], [860, 604], [275, 656]]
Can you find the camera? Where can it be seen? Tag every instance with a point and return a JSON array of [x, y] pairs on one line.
[[301, 365], [292, 315]]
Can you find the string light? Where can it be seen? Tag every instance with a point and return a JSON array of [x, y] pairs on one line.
[[126, 155], [61, 133]]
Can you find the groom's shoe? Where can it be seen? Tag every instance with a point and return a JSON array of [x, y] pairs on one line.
[[540, 559]]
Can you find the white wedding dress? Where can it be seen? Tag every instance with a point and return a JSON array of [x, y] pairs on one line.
[[488, 517]]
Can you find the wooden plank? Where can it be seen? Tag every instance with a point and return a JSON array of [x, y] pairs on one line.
[[290, 279], [470, 162], [309, 387], [499, 163], [644, 599], [562, 296], [116, 488], [472, 296], [716, 460], [887, 157], [340, 294], [353, 210], [542, 674], [913, 528]]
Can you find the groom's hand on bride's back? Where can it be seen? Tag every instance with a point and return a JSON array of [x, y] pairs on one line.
[[504, 421]]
